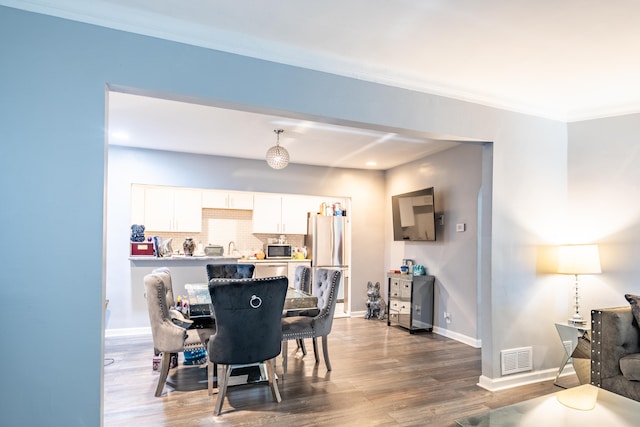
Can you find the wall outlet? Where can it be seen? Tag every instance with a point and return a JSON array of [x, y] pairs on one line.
[[447, 317]]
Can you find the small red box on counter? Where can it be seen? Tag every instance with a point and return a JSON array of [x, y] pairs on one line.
[[141, 249]]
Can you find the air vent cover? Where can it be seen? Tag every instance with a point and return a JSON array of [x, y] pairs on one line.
[[516, 360]]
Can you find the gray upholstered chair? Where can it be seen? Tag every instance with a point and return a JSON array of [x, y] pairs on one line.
[[302, 278], [302, 282], [169, 331], [325, 287], [230, 271], [248, 331]]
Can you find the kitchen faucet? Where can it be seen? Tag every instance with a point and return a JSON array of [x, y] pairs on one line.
[[232, 243]]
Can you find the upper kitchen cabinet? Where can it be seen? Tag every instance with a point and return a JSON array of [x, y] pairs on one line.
[[276, 214], [213, 199], [172, 209]]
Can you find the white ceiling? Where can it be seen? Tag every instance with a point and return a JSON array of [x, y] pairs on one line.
[[566, 60], [178, 126]]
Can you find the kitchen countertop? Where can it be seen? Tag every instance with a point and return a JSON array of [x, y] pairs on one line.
[[214, 258], [183, 258], [272, 260]]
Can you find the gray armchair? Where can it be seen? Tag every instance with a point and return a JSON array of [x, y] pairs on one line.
[[248, 313], [325, 287], [302, 282], [230, 271], [615, 336], [169, 336]]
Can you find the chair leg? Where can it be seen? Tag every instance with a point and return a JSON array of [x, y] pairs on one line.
[[325, 351], [315, 349], [285, 347], [272, 381], [164, 372], [210, 377], [302, 347], [223, 378]]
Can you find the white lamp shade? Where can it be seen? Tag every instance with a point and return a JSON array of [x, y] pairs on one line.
[[579, 259]]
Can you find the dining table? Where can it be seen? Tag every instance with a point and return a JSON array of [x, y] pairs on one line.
[[201, 312]]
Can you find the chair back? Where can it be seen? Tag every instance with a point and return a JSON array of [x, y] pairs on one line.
[[230, 271], [248, 313], [325, 287], [167, 337], [165, 274], [302, 279]]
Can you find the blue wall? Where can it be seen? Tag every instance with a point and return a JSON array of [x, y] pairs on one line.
[[52, 163]]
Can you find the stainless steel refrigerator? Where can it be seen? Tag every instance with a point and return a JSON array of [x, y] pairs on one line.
[[328, 244]]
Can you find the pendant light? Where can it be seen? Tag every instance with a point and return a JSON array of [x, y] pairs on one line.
[[277, 156]]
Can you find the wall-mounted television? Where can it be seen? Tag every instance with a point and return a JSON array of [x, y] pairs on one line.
[[414, 216]]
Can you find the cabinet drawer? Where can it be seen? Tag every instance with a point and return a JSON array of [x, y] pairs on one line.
[[405, 289], [401, 319], [394, 291], [404, 319], [400, 306]]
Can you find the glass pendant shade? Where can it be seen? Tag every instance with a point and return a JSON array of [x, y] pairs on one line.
[[277, 156]]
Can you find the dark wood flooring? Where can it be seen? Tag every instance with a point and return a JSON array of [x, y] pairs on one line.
[[382, 376]]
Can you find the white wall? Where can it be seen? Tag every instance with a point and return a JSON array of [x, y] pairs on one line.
[[128, 165], [604, 181]]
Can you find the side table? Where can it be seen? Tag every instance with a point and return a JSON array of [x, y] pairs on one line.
[[576, 342]]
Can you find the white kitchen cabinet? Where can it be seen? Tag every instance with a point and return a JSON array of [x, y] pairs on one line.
[[294, 213], [173, 209], [267, 214], [137, 204], [275, 214], [213, 199]]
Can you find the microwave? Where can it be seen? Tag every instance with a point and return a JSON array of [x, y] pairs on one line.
[[278, 251]]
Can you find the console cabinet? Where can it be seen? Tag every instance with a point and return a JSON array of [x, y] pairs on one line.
[[410, 301]]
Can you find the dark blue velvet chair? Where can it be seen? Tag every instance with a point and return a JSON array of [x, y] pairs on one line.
[[248, 313]]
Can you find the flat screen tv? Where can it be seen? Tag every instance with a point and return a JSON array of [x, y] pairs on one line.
[[414, 216]]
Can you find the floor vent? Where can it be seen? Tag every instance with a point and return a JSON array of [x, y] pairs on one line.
[[516, 360]]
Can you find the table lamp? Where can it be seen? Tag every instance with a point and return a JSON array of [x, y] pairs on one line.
[[578, 259]]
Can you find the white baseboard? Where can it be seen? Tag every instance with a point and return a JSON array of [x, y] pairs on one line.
[[510, 381], [470, 341], [127, 332]]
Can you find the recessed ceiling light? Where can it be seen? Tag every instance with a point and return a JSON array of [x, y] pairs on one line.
[[372, 163]]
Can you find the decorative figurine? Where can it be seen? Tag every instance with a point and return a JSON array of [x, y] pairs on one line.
[[189, 246], [162, 248], [375, 303], [137, 233]]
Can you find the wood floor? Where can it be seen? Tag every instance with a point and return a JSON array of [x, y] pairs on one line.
[[382, 376]]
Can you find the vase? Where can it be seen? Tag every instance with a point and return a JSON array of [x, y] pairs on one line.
[[188, 246]]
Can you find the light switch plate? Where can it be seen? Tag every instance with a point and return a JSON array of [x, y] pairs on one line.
[[460, 228]]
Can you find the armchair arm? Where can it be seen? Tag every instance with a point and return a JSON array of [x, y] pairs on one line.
[[613, 336]]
